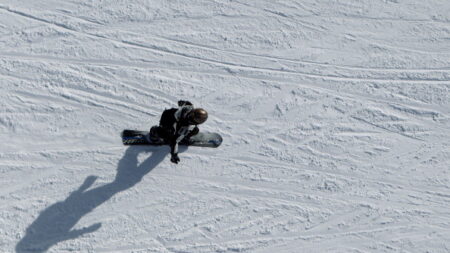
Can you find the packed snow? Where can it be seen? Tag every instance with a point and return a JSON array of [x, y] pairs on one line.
[[335, 117]]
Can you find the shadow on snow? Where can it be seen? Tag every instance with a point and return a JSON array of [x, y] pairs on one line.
[[55, 223]]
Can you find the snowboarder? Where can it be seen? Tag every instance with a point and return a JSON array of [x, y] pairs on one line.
[[177, 124]]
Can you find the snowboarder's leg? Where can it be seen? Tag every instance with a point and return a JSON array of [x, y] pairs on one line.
[[156, 135], [194, 131]]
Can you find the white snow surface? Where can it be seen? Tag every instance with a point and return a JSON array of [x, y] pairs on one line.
[[335, 117]]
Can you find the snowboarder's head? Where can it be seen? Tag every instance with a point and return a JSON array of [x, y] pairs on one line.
[[198, 116]]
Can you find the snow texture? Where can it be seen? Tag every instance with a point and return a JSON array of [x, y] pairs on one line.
[[335, 116]]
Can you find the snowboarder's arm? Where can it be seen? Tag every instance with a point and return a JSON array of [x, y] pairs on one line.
[[174, 151], [176, 138], [173, 146]]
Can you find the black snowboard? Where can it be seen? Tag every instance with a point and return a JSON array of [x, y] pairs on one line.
[[202, 139]]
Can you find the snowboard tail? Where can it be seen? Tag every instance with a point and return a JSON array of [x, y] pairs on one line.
[[202, 139]]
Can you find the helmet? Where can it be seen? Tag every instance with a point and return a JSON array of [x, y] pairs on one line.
[[198, 116]]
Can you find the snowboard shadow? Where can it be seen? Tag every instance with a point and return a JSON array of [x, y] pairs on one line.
[[55, 223]]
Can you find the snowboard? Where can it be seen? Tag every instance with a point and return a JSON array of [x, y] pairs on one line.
[[202, 139]]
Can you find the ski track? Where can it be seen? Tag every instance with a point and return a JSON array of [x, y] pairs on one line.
[[336, 136]]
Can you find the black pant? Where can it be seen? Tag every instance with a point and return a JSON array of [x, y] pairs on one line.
[[160, 132], [167, 134]]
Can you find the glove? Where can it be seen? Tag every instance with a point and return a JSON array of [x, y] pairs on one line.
[[175, 159], [183, 102]]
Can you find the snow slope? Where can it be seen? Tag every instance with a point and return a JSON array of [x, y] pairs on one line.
[[335, 116]]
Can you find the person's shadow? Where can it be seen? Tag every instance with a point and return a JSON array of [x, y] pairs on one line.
[[55, 223]]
